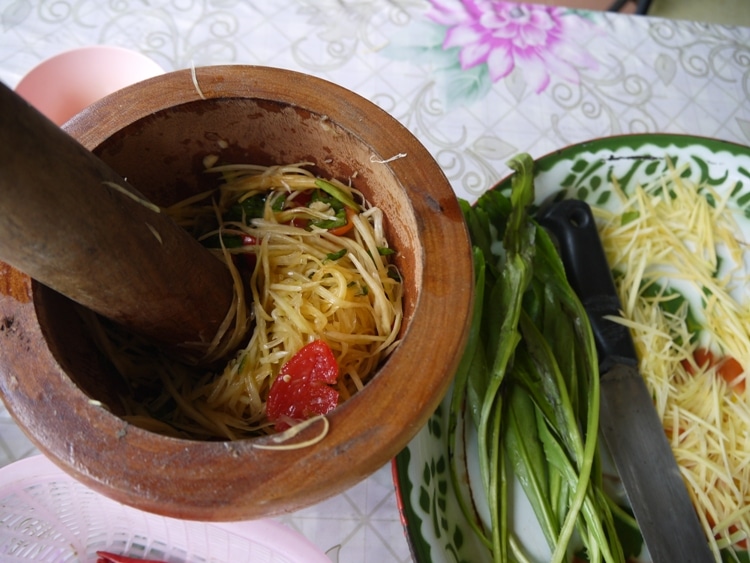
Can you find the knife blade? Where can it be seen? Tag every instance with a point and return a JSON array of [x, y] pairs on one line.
[[629, 423]]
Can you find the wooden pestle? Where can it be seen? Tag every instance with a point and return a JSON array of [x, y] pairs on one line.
[[72, 223]]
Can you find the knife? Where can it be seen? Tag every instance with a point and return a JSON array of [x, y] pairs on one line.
[[633, 433]]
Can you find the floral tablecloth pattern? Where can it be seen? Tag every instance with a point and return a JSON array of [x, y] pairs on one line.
[[476, 81]]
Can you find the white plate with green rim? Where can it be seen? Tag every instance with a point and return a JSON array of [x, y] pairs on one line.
[[435, 526]]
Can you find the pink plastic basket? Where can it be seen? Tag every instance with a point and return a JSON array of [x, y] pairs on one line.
[[45, 515]]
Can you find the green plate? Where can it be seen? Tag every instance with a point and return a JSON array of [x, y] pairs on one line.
[[435, 527]]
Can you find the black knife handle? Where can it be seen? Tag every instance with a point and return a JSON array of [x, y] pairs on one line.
[[572, 225]]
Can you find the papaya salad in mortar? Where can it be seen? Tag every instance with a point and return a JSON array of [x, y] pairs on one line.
[[528, 381], [318, 306]]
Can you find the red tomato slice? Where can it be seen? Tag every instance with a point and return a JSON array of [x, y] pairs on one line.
[[704, 359], [742, 544], [302, 388], [727, 367], [730, 369]]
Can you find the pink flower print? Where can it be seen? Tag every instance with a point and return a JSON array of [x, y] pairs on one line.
[[504, 35]]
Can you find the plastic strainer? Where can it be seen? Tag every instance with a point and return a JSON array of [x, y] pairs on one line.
[[46, 515]]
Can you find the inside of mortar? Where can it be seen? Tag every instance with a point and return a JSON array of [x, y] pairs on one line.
[[162, 156]]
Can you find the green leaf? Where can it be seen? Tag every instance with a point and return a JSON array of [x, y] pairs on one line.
[[229, 241], [535, 340], [630, 537], [338, 220], [250, 208], [337, 193], [526, 455], [470, 367], [541, 376], [503, 337], [336, 255]]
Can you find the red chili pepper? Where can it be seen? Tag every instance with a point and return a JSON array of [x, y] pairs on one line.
[[302, 388], [107, 557]]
